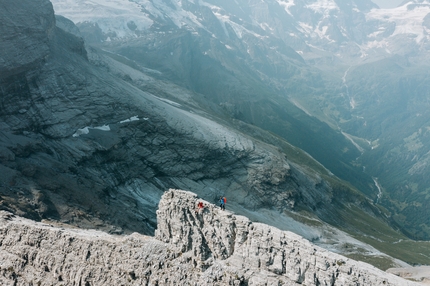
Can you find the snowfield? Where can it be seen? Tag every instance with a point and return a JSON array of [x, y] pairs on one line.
[[123, 19], [115, 16], [407, 20]]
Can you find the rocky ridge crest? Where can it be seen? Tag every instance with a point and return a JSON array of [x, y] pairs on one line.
[[213, 247]]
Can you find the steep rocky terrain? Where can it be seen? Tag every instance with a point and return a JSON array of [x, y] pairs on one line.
[[213, 247], [93, 139], [284, 65], [231, 59], [80, 144], [83, 145]]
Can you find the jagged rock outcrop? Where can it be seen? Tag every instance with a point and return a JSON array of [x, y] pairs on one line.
[[213, 247]]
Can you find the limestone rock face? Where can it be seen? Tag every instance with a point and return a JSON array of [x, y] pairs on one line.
[[259, 252], [211, 247], [37, 254]]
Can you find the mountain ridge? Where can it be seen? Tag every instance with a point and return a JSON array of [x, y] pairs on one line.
[[93, 138], [349, 25], [239, 252]]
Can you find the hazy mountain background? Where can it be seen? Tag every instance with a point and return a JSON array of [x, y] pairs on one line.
[[359, 69], [388, 3], [308, 111], [357, 74]]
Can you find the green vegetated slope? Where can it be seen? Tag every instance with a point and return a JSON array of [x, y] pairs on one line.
[[370, 230], [393, 110], [350, 211], [383, 106]]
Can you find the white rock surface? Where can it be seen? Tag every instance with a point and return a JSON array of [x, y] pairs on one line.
[[213, 247]]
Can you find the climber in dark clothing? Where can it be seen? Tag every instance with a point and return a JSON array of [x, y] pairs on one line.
[[222, 203]]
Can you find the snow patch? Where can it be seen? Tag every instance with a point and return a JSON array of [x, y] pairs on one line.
[[103, 128], [79, 132], [379, 196], [86, 130], [377, 33], [323, 6], [286, 4], [238, 29], [168, 101], [266, 27], [134, 118], [352, 101], [121, 19], [376, 44], [305, 28], [349, 137], [321, 31]]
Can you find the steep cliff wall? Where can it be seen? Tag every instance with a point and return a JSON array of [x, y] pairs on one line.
[[213, 247]]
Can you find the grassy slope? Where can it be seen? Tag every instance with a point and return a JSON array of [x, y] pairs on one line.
[[367, 223], [390, 121]]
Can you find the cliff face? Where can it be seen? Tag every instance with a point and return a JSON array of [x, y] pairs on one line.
[[213, 247]]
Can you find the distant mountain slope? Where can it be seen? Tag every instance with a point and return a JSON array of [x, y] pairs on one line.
[[348, 30], [263, 61], [245, 69]]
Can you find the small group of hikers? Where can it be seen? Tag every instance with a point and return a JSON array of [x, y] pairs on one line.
[[222, 202]]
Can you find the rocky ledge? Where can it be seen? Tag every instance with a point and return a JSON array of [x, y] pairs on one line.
[[210, 247]]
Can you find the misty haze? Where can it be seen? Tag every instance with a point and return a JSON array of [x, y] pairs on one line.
[[309, 116]]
